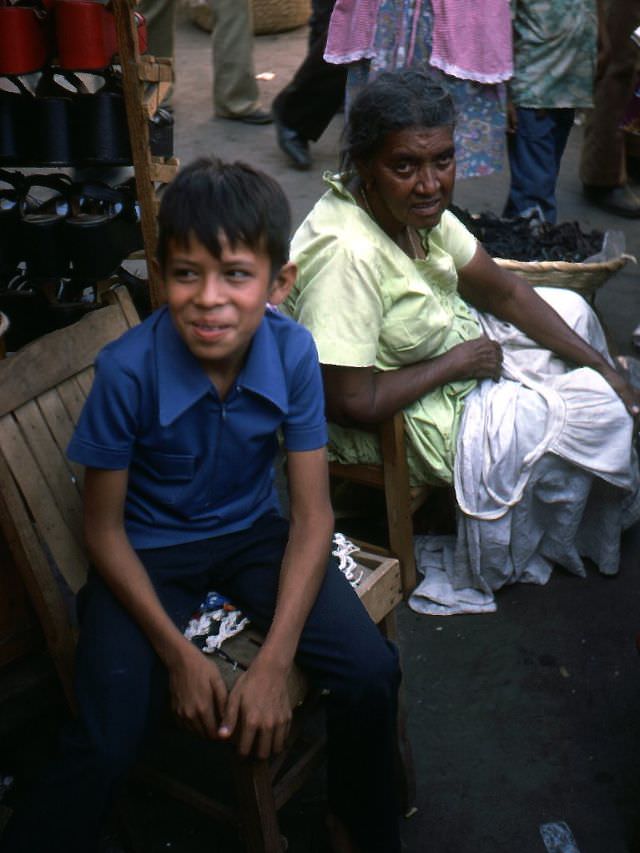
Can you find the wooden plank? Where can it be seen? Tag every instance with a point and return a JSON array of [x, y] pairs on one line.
[[381, 589], [163, 170], [85, 380], [67, 552], [19, 631], [37, 576], [73, 398], [154, 96], [132, 89], [153, 69], [52, 464], [366, 475], [57, 416], [49, 360], [120, 296], [398, 499]]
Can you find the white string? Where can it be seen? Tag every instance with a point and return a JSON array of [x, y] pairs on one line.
[[347, 565]]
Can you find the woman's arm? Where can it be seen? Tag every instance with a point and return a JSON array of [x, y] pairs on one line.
[[259, 706], [197, 690], [363, 396], [491, 288]]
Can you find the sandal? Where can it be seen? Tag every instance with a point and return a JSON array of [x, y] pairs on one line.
[[16, 100], [11, 185], [28, 312], [161, 133], [100, 120], [43, 209], [50, 120], [102, 228]]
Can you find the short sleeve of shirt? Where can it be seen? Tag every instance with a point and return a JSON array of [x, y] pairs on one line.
[[343, 277], [305, 426], [107, 426], [455, 238]]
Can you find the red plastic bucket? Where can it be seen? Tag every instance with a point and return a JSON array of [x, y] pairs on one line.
[[24, 42], [86, 35]]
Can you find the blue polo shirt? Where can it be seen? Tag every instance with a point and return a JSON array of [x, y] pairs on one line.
[[198, 467]]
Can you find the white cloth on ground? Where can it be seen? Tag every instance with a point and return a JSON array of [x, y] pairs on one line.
[[545, 472]]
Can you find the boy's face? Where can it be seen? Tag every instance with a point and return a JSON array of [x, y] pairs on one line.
[[217, 304]]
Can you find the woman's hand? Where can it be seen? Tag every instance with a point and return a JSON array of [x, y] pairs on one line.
[[627, 393], [480, 358]]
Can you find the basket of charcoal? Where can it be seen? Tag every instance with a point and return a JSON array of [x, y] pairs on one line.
[[560, 255]]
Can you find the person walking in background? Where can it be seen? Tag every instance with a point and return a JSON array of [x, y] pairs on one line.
[[304, 108], [235, 90], [464, 46], [603, 164], [554, 46]]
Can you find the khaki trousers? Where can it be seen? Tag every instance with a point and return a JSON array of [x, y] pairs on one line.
[[603, 161], [235, 91]]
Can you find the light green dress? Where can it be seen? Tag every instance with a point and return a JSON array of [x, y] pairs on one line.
[[367, 303]]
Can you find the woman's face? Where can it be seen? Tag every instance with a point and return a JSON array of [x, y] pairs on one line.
[[410, 180]]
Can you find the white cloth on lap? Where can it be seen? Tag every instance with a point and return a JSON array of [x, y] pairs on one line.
[[545, 470]]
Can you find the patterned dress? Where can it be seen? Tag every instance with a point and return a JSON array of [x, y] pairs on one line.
[[403, 39]]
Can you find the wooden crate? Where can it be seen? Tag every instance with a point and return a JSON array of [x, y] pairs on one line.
[[380, 590]]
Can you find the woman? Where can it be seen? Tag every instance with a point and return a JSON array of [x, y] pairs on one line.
[[409, 312]]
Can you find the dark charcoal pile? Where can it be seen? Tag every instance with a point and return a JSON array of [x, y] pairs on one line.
[[530, 239]]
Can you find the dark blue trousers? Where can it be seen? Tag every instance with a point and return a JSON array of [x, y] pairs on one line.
[[535, 152], [122, 688]]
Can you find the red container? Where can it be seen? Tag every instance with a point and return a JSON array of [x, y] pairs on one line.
[[86, 35], [24, 40]]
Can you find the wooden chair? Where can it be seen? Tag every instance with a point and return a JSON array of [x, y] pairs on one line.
[[42, 391], [401, 499]]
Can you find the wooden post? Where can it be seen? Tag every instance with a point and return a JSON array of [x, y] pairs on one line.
[[137, 117]]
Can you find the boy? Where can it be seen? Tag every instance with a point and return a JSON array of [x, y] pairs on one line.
[[179, 438]]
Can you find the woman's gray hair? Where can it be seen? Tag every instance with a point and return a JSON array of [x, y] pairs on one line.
[[394, 100]]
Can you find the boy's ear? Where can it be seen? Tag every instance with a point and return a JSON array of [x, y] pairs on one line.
[[282, 283]]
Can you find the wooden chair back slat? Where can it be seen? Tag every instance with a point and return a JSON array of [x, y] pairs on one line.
[[85, 381], [52, 462], [35, 570], [50, 360], [43, 388], [41, 503], [57, 416]]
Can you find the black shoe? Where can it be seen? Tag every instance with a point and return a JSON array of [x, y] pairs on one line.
[[254, 117], [294, 146], [622, 200]]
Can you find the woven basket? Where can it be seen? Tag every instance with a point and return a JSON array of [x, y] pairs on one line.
[[269, 16], [582, 277], [274, 16]]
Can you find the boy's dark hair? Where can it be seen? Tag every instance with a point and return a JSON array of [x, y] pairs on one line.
[[394, 100], [208, 198]]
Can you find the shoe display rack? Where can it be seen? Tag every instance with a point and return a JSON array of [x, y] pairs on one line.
[[69, 125]]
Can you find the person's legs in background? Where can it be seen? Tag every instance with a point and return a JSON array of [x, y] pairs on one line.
[[603, 165], [535, 151], [235, 91], [304, 108]]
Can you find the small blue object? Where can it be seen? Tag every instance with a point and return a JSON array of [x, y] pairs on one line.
[[214, 601], [558, 838]]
